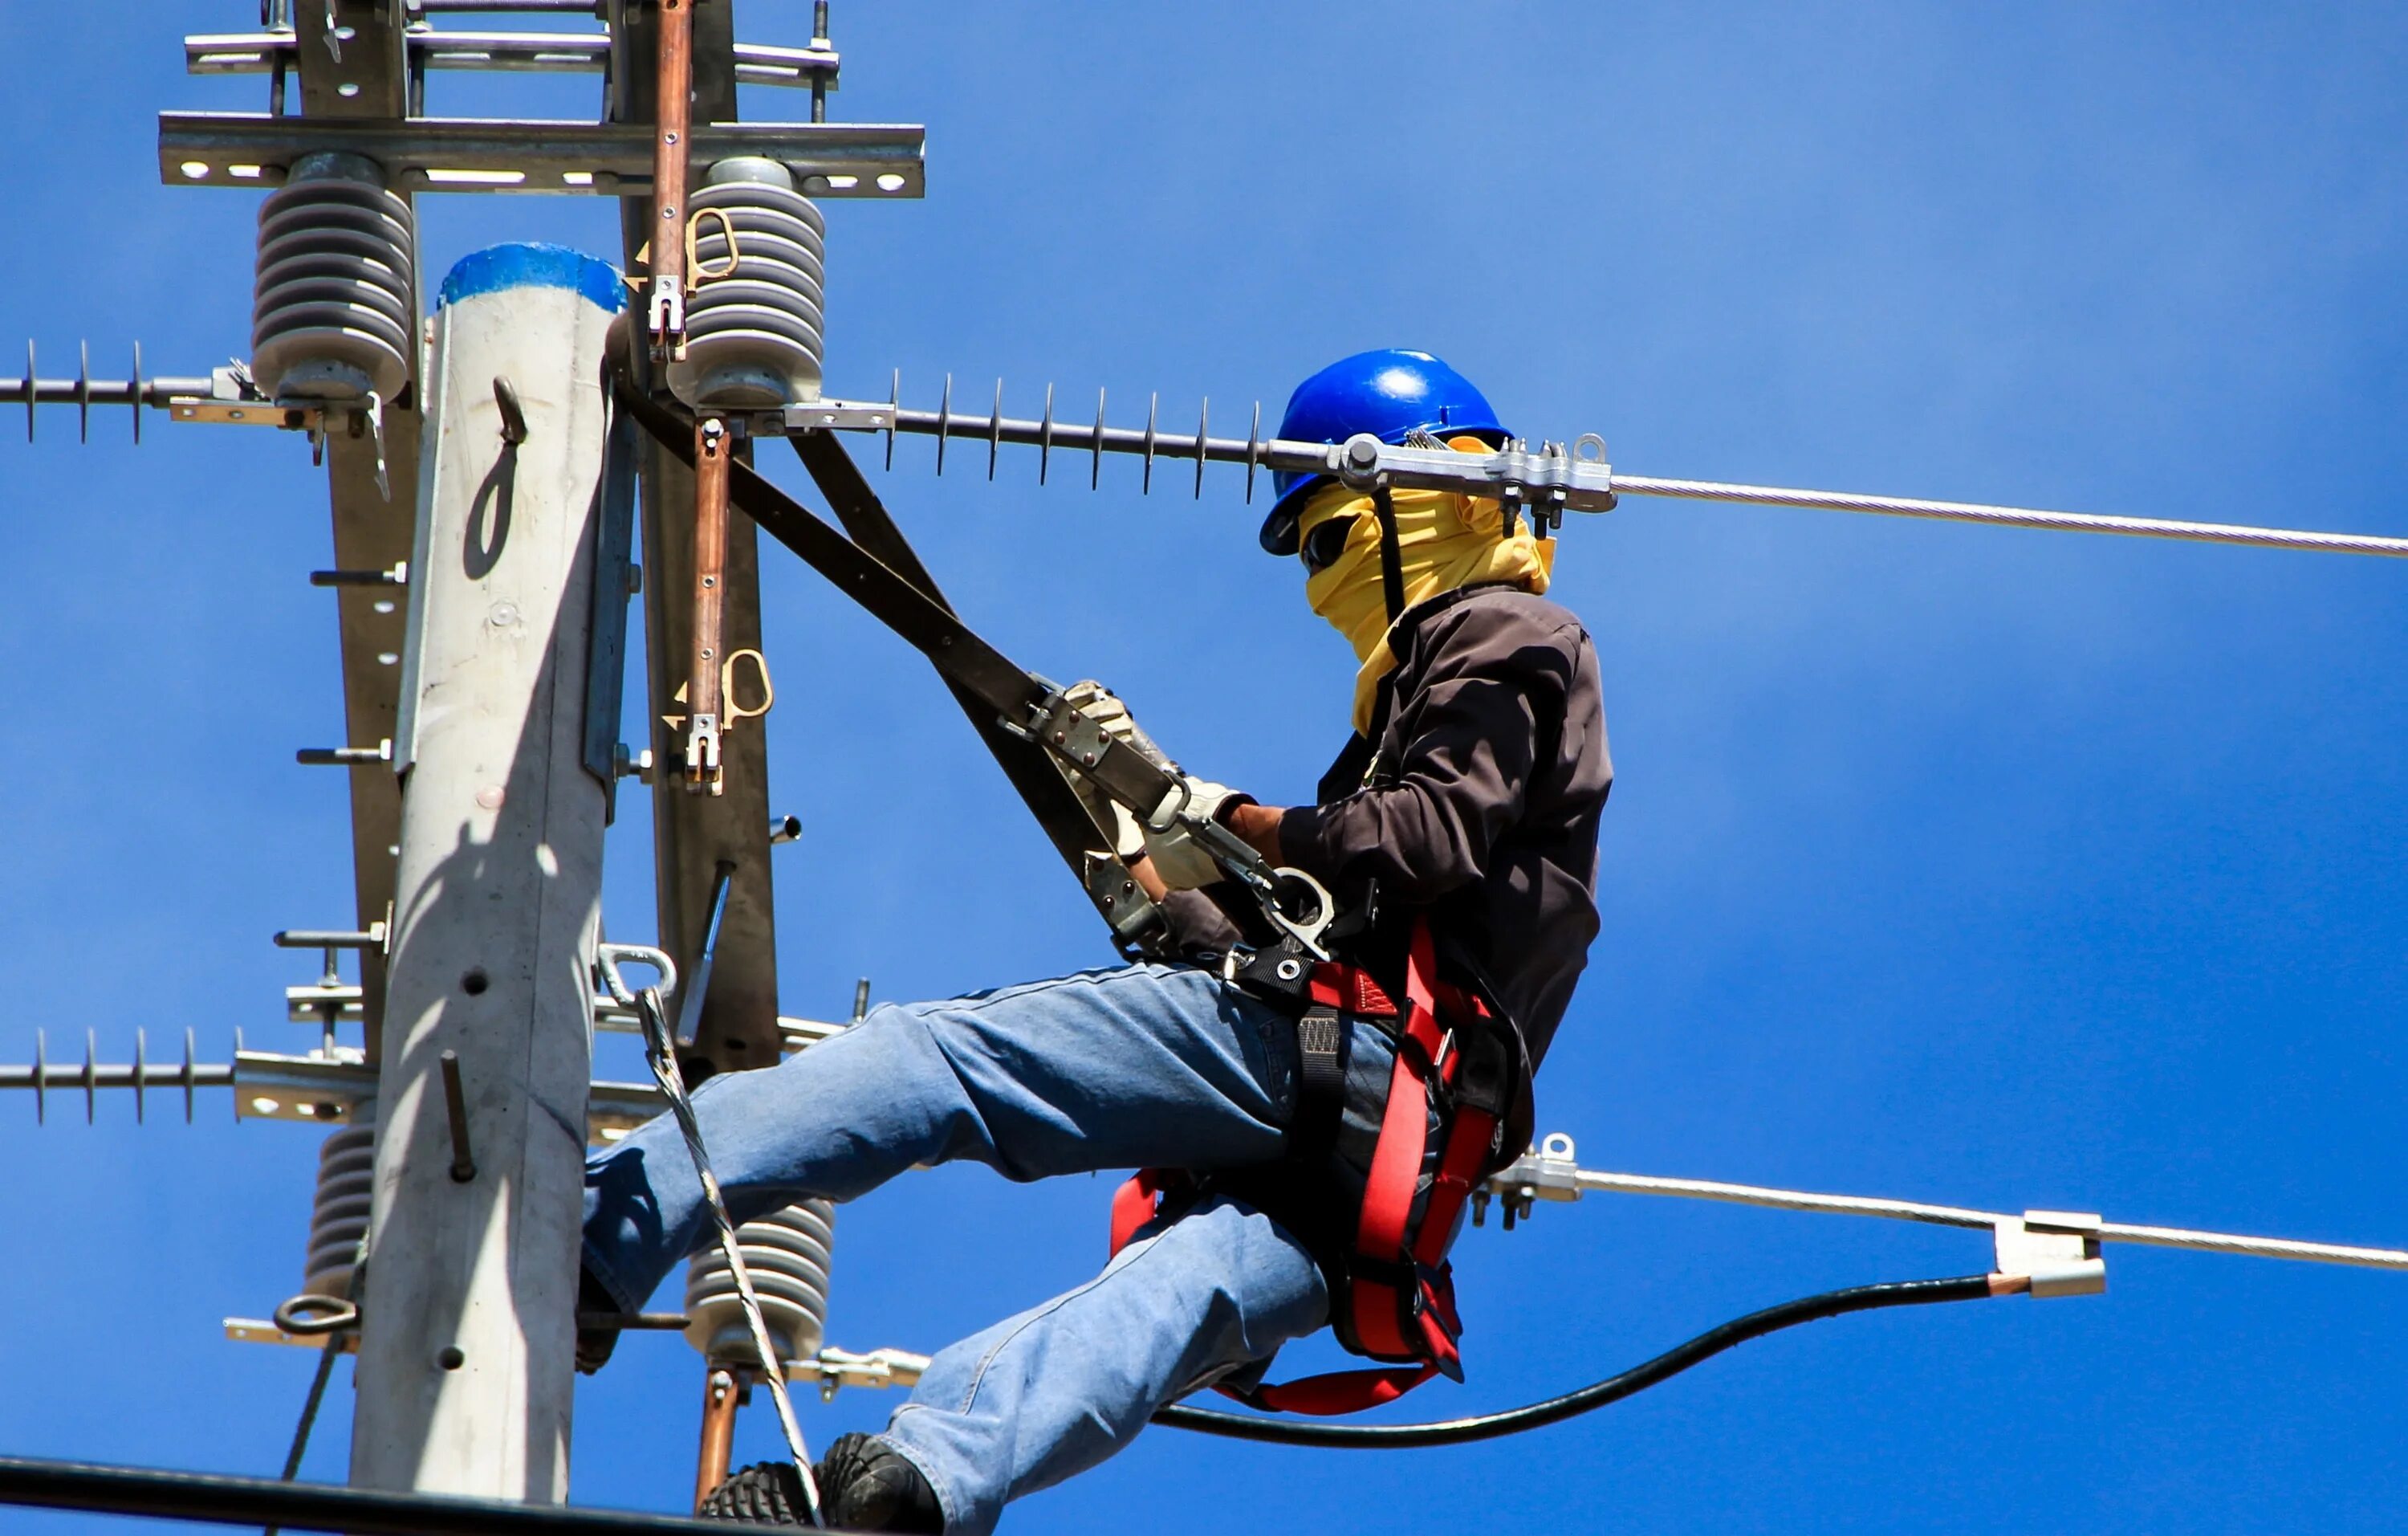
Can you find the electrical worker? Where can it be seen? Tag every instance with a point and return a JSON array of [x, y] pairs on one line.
[[1459, 825]]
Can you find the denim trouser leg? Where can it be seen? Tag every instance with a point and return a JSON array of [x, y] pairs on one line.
[[1149, 1066], [1144, 1066], [1055, 1390]]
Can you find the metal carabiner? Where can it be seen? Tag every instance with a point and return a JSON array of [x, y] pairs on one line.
[[1305, 932]]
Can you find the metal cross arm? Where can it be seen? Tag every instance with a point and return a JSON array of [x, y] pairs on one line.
[[514, 52], [480, 154]]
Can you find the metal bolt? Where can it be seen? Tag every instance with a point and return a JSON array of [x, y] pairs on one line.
[[1290, 970], [455, 1109]]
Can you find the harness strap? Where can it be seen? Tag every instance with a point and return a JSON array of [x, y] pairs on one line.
[[1321, 1081], [1398, 1298], [1138, 1200], [1392, 557]]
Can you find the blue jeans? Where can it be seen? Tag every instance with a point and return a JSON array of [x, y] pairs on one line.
[[1150, 1066]]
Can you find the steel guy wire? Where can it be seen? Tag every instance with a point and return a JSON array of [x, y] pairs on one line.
[[327, 1355], [1531, 1177], [660, 1049], [2016, 517]]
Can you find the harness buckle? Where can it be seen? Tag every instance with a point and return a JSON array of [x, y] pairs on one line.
[[1444, 1053]]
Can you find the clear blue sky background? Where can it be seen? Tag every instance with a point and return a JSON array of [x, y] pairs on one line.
[[1999, 868]]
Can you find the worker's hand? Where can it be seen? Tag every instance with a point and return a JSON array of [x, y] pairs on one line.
[[1178, 859]]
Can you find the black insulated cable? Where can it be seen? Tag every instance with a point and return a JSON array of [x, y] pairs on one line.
[[216, 1498], [1513, 1421]]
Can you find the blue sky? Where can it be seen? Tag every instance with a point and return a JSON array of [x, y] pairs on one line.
[[1998, 867]]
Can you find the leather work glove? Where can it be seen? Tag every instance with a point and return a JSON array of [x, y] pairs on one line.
[[1182, 864], [1102, 705], [1098, 704]]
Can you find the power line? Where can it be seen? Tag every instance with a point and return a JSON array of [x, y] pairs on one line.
[[2014, 517], [1550, 1173]]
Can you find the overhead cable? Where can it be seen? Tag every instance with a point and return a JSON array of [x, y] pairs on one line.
[[2014, 517], [1755, 1324], [216, 1498], [1549, 1173]]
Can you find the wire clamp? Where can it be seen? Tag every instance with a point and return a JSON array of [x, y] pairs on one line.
[[2056, 1251], [1549, 1172]]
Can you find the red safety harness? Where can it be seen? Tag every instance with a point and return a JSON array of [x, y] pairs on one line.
[[1399, 1290]]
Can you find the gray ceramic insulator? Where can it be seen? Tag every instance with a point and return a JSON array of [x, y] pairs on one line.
[[753, 336], [787, 1253], [335, 304], [338, 1218]]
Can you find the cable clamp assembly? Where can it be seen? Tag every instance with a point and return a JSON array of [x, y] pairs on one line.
[[1549, 1173], [2056, 1252]]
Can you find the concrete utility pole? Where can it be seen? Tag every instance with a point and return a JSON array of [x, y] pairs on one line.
[[466, 1365]]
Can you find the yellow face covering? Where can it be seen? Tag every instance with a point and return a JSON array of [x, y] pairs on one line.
[[1443, 541]]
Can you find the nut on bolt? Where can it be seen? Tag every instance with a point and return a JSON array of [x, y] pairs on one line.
[[1359, 461]]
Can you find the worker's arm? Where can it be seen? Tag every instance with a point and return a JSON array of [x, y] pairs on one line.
[[1493, 690], [1259, 824], [1141, 870]]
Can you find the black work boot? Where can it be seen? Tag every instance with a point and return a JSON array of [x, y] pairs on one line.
[[594, 1345], [868, 1484], [767, 1493], [864, 1484]]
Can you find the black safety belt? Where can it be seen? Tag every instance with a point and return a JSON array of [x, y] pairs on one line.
[[1061, 815], [1392, 559], [1018, 704]]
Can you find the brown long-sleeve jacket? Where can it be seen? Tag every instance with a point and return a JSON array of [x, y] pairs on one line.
[[1477, 801]]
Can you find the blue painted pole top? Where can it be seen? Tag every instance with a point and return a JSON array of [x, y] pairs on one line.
[[533, 264]]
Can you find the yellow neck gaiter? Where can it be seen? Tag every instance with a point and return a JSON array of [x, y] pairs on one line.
[[1443, 541]]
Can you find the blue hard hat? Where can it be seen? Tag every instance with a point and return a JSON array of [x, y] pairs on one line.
[[1388, 394]]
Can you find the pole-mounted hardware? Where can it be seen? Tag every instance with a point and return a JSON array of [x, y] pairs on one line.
[[226, 395], [697, 976], [1544, 481], [372, 937], [665, 304], [506, 400], [455, 1110], [703, 700], [396, 575], [2045, 1252], [315, 1089], [345, 756], [1547, 482]]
